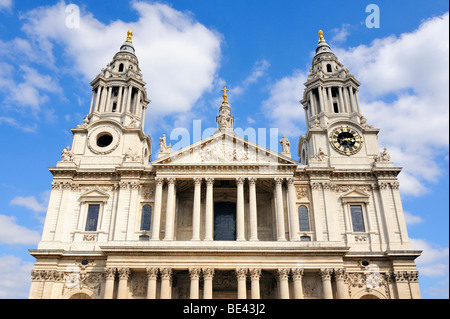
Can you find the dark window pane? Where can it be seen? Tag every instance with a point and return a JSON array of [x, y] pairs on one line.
[[305, 238], [357, 218], [146, 217], [144, 238], [303, 218], [92, 217]]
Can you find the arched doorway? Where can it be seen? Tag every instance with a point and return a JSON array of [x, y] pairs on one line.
[[369, 296], [80, 295]]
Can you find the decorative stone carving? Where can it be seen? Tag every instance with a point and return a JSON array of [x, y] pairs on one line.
[[139, 285], [255, 273], [66, 155], [285, 145], [383, 157], [132, 156], [164, 148], [283, 273], [319, 157]]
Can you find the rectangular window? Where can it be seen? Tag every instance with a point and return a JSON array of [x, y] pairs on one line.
[[92, 217], [357, 218]]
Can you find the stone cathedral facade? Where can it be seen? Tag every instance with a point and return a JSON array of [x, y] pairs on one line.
[[225, 218]]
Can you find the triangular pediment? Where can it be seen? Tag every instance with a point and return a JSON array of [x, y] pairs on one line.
[[355, 195], [95, 194], [225, 148]]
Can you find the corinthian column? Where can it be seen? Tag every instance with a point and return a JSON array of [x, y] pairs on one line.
[[152, 275], [241, 274], [297, 276], [280, 210], [196, 209], [157, 212], [325, 274], [342, 290], [283, 275], [255, 275], [240, 209], [124, 274], [166, 277], [194, 273], [208, 274], [253, 213], [109, 285], [293, 216], [209, 209], [170, 210]]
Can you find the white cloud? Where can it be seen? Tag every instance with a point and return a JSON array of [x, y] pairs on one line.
[[29, 202], [15, 277], [6, 4], [412, 219], [179, 57], [283, 108], [434, 260], [11, 233], [259, 69], [340, 34]]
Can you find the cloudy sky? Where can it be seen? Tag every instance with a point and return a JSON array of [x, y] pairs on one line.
[[188, 50]]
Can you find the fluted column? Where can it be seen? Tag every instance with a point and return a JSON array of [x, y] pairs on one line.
[[130, 93], [255, 275], [209, 209], [170, 209], [194, 274], [124, 274], [294, 227], [325, 274], [152, 276], [119, 99], [281, 236], [166, 277], [321, 106], [208, 275], [283, 275], [157, 211], [341, 287], [240, 210], [109, 284], [241, 274], [253, 210], [97, 99], [196, 209], [297, 277]]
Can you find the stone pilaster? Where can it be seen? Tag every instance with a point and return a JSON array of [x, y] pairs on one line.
[[152, 276], [124, 274]]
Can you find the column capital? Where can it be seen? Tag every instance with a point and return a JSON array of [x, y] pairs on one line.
[[110, 273], [198, 180], [278, 180], [171, 180], [152, 273], [325, 273], [252, 180], [240, 180], [340, 274], [290, 181], [209, 181], [159, 180], [194, 273], [283, 273], [124, 273], [255, 273], [208, 273], [166, 273], [297, 273], [241, 273]]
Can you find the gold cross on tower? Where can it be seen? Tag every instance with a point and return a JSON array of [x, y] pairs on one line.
[[129, 36], [225, 90]]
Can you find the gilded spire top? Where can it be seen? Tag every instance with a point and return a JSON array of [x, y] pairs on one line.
[[129, 36], [225, 96], [321, 38]]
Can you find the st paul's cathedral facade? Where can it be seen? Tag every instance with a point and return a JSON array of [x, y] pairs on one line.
[[225, 218]]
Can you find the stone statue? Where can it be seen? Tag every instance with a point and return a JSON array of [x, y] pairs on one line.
[[163, 145], [384, 156], [285, 145], [66, 155]]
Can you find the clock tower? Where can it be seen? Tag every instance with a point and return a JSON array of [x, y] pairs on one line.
[[338, 134]]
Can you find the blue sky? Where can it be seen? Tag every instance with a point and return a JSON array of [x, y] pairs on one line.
[[190, 49]]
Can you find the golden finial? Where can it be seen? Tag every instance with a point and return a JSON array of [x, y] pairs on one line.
[[321, 38], [225, 96], [129, 36]]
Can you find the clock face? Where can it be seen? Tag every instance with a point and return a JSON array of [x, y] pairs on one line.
[[346, 140]]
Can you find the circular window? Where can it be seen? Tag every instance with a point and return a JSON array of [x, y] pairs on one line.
[[85, 262], [365, 263], [104, 140]]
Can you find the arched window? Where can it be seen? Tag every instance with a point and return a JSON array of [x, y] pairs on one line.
[[121, 67], [329, 68], [146, 217], [303, 218]]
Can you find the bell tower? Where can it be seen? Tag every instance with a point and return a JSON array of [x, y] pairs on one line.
[[113, 131], [337, 133]]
